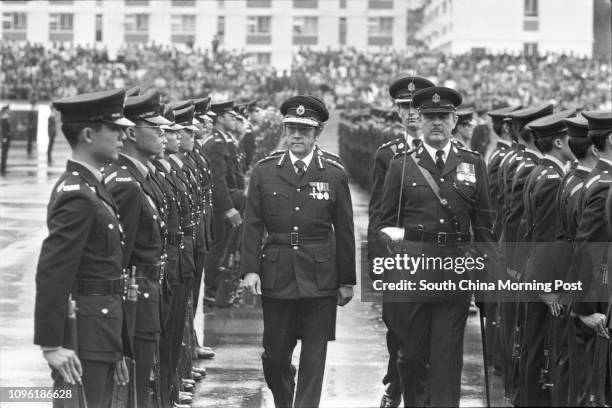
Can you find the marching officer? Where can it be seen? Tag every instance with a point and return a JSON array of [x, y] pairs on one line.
[[5, 134], [401, 91], [306, 264], [129, 181], [82, 255], [228, 173], [442, 193]]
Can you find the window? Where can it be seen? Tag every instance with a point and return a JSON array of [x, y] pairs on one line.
[[183, 3], [531, 25], [136, 2], [258, 30], [263, 58], [14, 21], [530, 49], [54, 2], [342, 31], [221, 4], [380, 4], [380, 30], [305, 3], [98, 27], [221, 28], [342, 4], [305, 25], [259, 3], [136, 23], [59, 22], [183, 23], [99, 3], [531, 8]]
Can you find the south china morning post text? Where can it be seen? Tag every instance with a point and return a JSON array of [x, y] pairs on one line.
[[431, 275]]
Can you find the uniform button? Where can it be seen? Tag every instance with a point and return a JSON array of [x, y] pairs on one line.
[[441, 220], [146, 295], [295, 248], [111, 226], [263, 255], [298, 189], [442, 180], [104, 311], [413, 184], [274, 193], [296, 228], [154, 216], [122, 243], [75, 173], [297, 208]]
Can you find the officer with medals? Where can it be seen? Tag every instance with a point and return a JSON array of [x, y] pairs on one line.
[[82, 255], [129, 181], [442, 194], [544, 315], [592, 246], [462, 133], [401, 91], [228, 174], [305, 265]]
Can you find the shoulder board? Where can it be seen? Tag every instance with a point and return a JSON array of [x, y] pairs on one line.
[[68, 187], [325, 152], [592, 181], [330, 161], [576, 188], [208, 138], [267, 159], [520, 166], [110, 177], [465, 149], [495, 154], [277, 152]]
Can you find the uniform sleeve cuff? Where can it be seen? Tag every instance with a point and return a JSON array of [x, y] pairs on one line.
[[44, 349]]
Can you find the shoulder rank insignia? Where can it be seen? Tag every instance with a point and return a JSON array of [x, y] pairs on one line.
[[330, 161], [71, 187]]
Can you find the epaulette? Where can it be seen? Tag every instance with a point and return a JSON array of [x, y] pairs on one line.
[[465, 149], [321, 152], [495, 154], [210, 137], [390, 143], [576, 188], [266, 159], [594, 180], [277, 152], [330, 161]]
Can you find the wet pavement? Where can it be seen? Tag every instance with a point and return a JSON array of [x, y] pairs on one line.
[[356, 361]]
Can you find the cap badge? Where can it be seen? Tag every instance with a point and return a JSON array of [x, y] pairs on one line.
[[411, 87], [435, 98], [300, 110]]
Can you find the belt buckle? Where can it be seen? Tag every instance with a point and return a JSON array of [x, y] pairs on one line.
[[294, 239], [441, 239]]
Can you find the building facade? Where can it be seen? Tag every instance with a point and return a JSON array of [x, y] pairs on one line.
[[269, 29], [508, 26]]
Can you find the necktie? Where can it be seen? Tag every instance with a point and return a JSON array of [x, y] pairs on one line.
[[301, 168], [416, 142], [439, 160]]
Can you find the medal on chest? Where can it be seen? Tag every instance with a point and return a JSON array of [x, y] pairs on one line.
[[319, 190], [466, 173]]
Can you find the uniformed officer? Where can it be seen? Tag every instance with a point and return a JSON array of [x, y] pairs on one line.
[[401, 91], [542, 221], [591, 253], [579, 335], [430, 326], [82, 255], [306, 265], [462, 133], [227, 167], [5, 134], [129, 182]]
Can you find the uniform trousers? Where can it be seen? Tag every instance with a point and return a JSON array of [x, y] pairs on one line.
[[144, 351], [537, 330], [220, 227], [561, 369], [313, 321], [581, 352], [97, 382], [430, 331]]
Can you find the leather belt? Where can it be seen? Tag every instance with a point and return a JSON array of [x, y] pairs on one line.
[[295, 238], [149, 271], [88, 287], [439, 238]]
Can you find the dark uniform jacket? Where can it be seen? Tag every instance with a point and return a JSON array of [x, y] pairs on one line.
[[542, 220], [420, 210], [506, 174], [228, 170], [592, 241], [143, 243], [314, 213], [493, 168], [83, 249]]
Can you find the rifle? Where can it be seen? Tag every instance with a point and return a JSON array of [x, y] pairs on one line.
[[72, 342], [484, 356], [229, 267]]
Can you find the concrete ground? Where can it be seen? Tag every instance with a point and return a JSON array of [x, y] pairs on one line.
[[356, 360]]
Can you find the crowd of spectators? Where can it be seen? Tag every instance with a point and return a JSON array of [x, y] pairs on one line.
[[344, 78]]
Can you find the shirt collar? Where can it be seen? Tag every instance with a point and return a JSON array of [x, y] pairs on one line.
[[432, 151], [306, 159], [144, 170], [96, 173], [585, 168]]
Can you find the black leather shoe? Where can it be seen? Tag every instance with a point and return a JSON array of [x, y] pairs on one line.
[[196, 376], [199, 370], [391, 398]]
